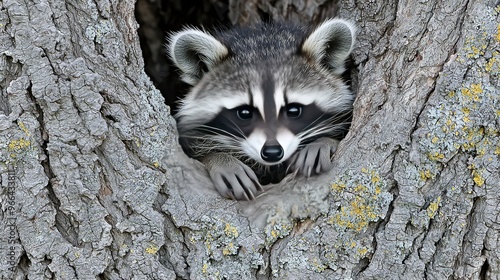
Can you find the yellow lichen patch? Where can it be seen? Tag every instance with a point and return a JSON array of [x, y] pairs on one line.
[[357, 207], [229, 249], [330, 256], [318, 266], [24, 129], [152, 249], [466, 111], [434, 140], [338, 187], [208, 245], [18, 145], [479, 132], [156, 164], [476, 89], [275, 230], [492, 62], [468, 146], [137, 142], [436, 156], [433, 207], [231, 231], [208, 241], [426, 174], [478, 178], [342, 220], [204, 269], [362, 198], [497, 150], [472, 93], [355, 216], [475, 52], [449, 122], [153, 130], [360, 188], [362, 251]]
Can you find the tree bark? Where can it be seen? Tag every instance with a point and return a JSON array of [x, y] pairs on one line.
[[94, 184]]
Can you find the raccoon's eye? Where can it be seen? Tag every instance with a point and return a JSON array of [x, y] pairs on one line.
[[244, 112], [293, 110]]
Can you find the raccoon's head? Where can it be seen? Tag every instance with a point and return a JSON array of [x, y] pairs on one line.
[[262, 92]]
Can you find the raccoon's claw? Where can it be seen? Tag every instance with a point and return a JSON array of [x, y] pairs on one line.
[[315, 157], [232, 178]]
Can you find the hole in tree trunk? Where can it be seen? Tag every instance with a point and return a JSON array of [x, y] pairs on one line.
[[156, 19]]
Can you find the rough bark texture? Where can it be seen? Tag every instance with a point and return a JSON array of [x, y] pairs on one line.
[[94, 184]]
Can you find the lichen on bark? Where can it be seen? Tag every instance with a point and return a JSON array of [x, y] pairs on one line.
[[102, 189]]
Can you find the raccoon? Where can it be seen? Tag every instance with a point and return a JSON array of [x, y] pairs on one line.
[[266, 101]]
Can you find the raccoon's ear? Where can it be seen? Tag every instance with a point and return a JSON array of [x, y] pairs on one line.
[[330, 44], [195, 52]]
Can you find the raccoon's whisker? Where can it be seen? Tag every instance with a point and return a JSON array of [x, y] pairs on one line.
[[213, 142], [216, 130], [217, 146], [237, 127], [220, 131], [323, 129], [313, 123], [331, 121], [317, 129]]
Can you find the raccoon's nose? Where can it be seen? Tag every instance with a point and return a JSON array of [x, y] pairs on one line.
[[272, 153]]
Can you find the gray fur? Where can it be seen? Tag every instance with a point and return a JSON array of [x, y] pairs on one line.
[[242, 179], [331, 43], [263, 67], [191, 49], [321, 150]]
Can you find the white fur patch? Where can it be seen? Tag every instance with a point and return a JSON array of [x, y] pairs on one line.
[[258, 100], [341, 99], [288, 141], [253, 145], [279, 99], [193, 112]]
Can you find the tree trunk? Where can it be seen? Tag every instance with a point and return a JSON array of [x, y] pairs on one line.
[[95, 186]]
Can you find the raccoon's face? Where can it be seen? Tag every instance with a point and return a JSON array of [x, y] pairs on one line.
[[263, 104], [269, 119]]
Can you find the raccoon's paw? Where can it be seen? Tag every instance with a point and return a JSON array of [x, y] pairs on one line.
[[315, 157], [231, 177]]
